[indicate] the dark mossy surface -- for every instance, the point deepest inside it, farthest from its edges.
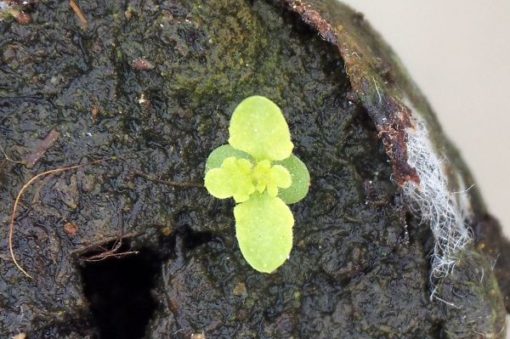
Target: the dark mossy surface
(359, 265)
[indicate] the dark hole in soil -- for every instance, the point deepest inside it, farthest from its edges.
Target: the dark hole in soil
(119, 293)
(195, 239)
(184, 239)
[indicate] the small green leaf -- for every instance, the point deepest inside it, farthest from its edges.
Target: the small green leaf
(258, 128)
(270, 177)
(262, 175)
(300, 180)
(220, 153)
(281, 176)
(232, 179)
(264, 231)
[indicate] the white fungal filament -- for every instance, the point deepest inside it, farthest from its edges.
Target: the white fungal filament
(431, 200)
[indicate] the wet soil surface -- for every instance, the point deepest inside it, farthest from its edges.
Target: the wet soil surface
(117, 250)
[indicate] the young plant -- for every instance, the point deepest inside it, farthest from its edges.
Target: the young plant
(257, 169)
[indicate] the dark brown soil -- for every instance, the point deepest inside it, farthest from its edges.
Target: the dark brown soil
(149, 87)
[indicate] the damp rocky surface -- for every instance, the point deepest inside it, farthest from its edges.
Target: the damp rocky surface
(129, 245)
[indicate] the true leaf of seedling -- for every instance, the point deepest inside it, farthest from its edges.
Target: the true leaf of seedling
(220, 153)
(232, 179)
(270, 178)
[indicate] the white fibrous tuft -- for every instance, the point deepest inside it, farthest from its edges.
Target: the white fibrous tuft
(432, 201)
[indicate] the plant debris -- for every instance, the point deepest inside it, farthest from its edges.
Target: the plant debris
(79, 14)
(41, 148)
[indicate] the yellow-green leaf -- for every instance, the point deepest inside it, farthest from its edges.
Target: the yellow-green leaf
(264, 231)
(232, 179)
(258, 128)
(281, 176)
(270, 177)
(219, 154)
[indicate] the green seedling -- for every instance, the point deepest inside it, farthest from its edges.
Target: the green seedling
(257, 169)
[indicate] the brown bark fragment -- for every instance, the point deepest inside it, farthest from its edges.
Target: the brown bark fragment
(41, 149)
(141, 64)
(390, 116)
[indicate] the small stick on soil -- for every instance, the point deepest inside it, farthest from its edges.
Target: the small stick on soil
(8, 158)
(184, 184)
(110, 253)
(79, 13)
(17, 201)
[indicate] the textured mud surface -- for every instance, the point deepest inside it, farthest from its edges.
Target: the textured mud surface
(153, 84)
